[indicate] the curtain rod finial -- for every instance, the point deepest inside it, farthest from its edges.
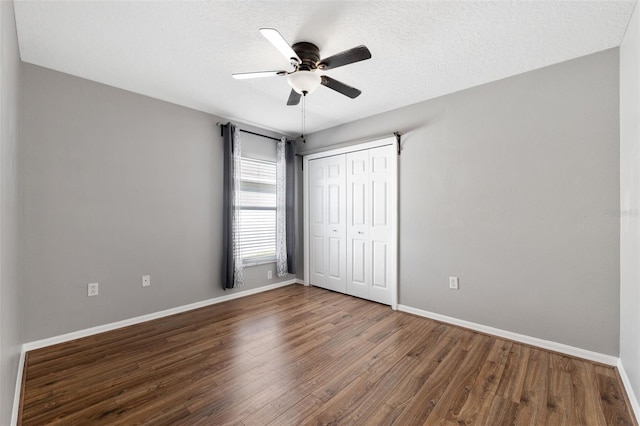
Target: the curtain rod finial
(398, 136)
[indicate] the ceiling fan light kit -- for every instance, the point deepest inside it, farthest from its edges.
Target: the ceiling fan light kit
(304, 82)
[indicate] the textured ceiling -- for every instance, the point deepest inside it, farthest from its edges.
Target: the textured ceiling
(185, 51)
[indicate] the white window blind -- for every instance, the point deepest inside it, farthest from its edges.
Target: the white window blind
(257, 211)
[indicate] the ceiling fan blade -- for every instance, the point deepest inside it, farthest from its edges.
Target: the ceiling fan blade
(350, 56)
(340, 87)
(294, 98)
(258, 74)
(280, 43)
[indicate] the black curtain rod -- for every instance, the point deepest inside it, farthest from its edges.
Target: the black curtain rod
(223, 126)
(258, 134)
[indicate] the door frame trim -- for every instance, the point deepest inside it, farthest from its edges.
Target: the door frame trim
(389, 140)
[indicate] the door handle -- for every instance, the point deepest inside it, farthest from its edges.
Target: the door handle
(360, 232)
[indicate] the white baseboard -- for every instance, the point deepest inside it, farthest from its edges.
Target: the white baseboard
(144, 318)
(16, 396)
(534, 341)
(633, 399)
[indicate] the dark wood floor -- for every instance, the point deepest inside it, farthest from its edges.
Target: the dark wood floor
(300, 355)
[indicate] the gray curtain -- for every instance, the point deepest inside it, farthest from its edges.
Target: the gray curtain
(291, 206)
(281, 208)
(232, 272)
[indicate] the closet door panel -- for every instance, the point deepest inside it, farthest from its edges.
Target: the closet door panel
(358, 244)
(379, 204)
(358, 265)
(380, 261)
(335, 226)
(335, 204)
(317, 225)
(358, 204)
(335, 258)
(380, 230)
(317, 260)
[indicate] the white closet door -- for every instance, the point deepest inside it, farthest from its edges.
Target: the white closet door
(317, 222)
(327, 222)
(351, 220)
(358, 222)
(383, 212)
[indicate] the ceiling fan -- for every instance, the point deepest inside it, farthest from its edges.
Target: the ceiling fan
(307, 65)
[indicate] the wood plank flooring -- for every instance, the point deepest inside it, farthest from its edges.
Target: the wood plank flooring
(303, 355)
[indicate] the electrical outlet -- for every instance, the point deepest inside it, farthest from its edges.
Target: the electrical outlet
(92, 289)
(269, 274)
(146, 280)
(453, 283)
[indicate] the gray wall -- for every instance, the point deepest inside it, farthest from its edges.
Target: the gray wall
(10, 292)
(512, 187)
(116, 185)
(630, 202)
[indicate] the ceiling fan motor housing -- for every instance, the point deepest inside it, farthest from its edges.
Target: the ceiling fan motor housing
(309, 54)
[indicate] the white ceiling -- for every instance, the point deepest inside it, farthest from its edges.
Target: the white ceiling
(185, 51)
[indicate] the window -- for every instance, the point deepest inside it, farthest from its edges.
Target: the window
(257, 211)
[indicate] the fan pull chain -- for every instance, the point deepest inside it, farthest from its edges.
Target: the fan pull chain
(304, 117)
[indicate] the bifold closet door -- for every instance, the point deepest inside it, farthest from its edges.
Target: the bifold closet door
(383, 214)
(358, 222)
(371, 202)
(327, 215)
